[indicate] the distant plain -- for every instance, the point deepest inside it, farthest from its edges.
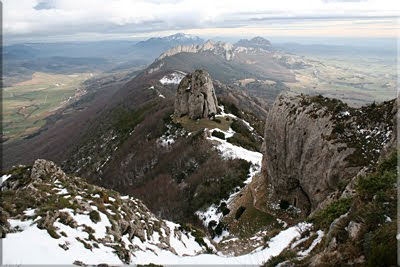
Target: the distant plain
(26, 104)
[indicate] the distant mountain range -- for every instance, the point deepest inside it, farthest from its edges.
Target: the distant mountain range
(152, 47)
(21, 60)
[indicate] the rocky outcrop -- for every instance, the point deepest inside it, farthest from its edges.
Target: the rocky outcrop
(195, 96)
(314, 146)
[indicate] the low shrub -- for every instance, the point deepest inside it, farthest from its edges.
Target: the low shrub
(325, 217)
(218, 230)
(390, 164)
(94, 216)
(212, 224)
(239, 127)
(232, 108)
(382, 249)
(284, 204)
(223, 208)
(218, 134)
(239, 212)
(241, 140)
(370, 185)
(243, 136)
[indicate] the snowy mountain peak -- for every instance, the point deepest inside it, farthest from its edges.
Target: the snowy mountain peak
(182, 36)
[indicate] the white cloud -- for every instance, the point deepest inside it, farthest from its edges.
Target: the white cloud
(56, 17)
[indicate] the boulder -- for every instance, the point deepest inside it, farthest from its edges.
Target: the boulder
(45, 170)
(354, 230)
(195, 96)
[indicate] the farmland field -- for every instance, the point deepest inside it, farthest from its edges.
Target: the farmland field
(27, 104)
(357, 81)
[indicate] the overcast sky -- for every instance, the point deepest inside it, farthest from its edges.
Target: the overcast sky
(38, 20)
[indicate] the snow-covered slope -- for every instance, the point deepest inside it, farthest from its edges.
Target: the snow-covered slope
(53, 218)
(229, 151)
(173, 78)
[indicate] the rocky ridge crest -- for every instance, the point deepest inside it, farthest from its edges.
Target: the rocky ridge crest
(53, 201)
(224, 49)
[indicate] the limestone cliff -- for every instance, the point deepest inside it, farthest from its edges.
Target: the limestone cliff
(226, 50)
(314, 146)
(217, 48)
(195, 96)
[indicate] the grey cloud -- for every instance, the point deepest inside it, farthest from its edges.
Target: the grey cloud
(45, 4)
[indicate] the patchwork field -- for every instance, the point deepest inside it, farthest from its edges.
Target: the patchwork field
(27, 104)
(357, 81)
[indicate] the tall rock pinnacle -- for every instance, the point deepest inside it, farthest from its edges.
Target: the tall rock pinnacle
(195, 96)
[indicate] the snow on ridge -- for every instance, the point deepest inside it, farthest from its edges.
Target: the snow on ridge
(313, 244)
(36, 246)
(223, 114)
(44, 249)
(173, 78)
(229, 151)
(3, 178)
(259, 256)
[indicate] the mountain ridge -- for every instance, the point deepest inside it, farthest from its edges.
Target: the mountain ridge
(225, 49)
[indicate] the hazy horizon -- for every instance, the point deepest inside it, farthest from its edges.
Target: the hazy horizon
(387, 43)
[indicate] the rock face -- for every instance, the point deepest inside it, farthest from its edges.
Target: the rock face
(314, 145)
(195, 96)
(226, 50)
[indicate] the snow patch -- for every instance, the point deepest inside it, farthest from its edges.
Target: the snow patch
(275, 246)
(36, 246)
(314, 243)
(229, 151)
(3, 178)
(173, 78)
(62, 191)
